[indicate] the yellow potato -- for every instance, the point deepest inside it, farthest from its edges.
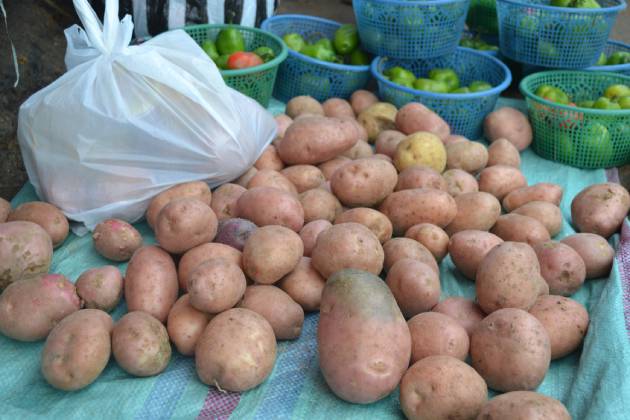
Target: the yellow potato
(378, 117)
(421, 148)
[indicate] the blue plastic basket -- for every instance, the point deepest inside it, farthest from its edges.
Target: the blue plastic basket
(611, 47)
(490, 39)
(410, 29)
(532, 32)
(463, 112)
(303, 75)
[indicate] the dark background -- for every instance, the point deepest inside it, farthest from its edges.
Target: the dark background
(36, 27)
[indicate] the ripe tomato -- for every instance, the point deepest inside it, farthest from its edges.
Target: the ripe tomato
(243, 60)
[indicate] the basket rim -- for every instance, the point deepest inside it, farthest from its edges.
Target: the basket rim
(613, 67)
(305, 58)
(496, 90)
(569, 10)
(242, 72)
(413, 3)
(524, 89)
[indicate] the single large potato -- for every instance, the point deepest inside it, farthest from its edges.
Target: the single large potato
(600, 209)
(432, 237)
(268, 206)
(100, 288)
(595, 251)
(304, 177)
(77, 349)
(364, 182)
(283, 314)
(319, 204)
(415, 117)
(511, 350)
(374, 220)
(469, 156)
(360, 100)
(234, 232)
(140, 344)
(421, 148)
(185, 223)
(185, 325)
(305, 285)
(387, 142)
(518, 228)
(5, 209)
(303, 105)
(442, 387)
(310, 232)
(312, 140)
(500, 180)
(376, 118)
(272, 179)
(151, 282)
(347, 245)
(510, 124)
(565, 320)
(551, 193)
(422, 205)
(337, 107)
(363, 341)
(469, 247)
(225, 199)
(475, 211)
(236, 351)
(116, 239)
(502, 152)
(523, 405)
(46, 215)
(459, 182)
(415, 285)
(25, 252)
(196, 189)
(398, 248)
(30, 308)
(561, 266)
(508, 277)
(270, 253)
(269, 160)
(420, 177)
(436, 334)
(545, 212)
(193, 258)
(462, 310)
(216, 285)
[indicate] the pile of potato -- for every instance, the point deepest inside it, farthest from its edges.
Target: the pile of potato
(347, 192)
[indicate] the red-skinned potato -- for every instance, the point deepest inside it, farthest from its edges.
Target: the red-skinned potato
(347, 245)
(364, 182)
(360, 100)
(270, 253)
(269, 160)
(500, 180)
(185, 325)
(225, 199)
(546, 213)
(517, 228)
(191, 259)
(283, 314)
(100, 288)
(543, 191)
(459, 182)
(196, 189)
(319, 204)
(475, 211)
(420, 177)
(453, 138)
(469, 247)
(415, 285)
(524, 405)
(510, 124)
(5, 209)
(338, 108)
(398, 248)
(243, 180)
(469, 156)
(49, 217)
(272, 179)
(502, 152)
(360, 150)
(600, 209)
(595, 251)
(151, 282)
(442, 387)
(234, 232)
(310, 232)
(185, 223)
(236, 352)
(387, 142)
(269, 206)
(415, 117)
(432, 237)
(561, 266)
(374, 220)
(283, 121)
(329, 167)
(216, 285)
(511, 350)
(116, 239)
(463, 310)
(304, 177)
(436, 334)
(363, 341)
(303, 105)
(305, 285)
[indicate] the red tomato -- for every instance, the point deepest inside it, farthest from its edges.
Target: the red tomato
(243, 60)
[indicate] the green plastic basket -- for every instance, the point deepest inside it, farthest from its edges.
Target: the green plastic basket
(255, 82)
(580, 137)
(482, 17)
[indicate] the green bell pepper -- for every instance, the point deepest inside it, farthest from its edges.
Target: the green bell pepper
(294, 41)
(229, 41)
(346, 39)
(446, 75)
(265, 53)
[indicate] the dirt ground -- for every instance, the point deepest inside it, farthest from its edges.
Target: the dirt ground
(36, 28)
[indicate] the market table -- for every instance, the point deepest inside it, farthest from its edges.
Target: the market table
(593, 383)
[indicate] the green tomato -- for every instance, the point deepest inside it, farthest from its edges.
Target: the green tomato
(596, 141)
(460, 90)
(229, 41)
(587, 4)
(605, 103)
(325, 43)
(346, 39)
(564, 148)
(601, 61)
(221, 62)
(403, 82)
(211, 49)
(430, 85)
(359, 58)
(585, 104)
(613, 92)
(479, 86)
(294, 41)
(319, 52)
(618, 57)
(265, 53)
(446, 75)
(400, 74)
(624, 102)
(553, 94)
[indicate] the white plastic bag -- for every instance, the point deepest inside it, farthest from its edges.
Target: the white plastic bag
(127, 122)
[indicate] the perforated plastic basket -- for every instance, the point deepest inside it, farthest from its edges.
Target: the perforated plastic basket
(410, 29)
(303, 75)
(533, 32)
(482, 17)
(580, 137)
(255, 82)
(611, 47)
(463, 112)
